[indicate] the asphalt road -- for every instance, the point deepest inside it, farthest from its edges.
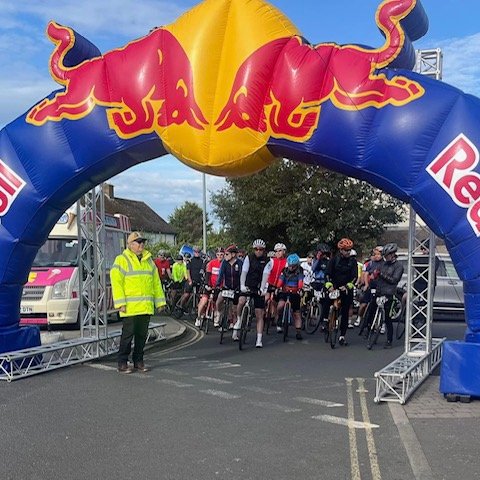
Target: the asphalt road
(208, 411)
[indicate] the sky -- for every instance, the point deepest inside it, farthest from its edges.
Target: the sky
(25, 52)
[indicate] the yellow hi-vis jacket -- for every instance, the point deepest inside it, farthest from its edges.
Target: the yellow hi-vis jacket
(136, 284)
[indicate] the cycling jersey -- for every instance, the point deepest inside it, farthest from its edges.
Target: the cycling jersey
(179, 272)
(195, 267)
(230, 274)
(308, 276)
(213, 269)
(319, 269)
(291, 280)
(342, 270)
(162, 267)
(252, 271)
(274, 269)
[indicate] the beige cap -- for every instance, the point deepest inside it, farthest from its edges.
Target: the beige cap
(135, 236)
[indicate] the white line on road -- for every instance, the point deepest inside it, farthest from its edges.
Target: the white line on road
(316, 401)
(171, 371)
(352, 436)
(372, 450)
(266, 391)
(213, 380)
(99, 366)
(219, 393)
(171, 359)
(275, 406)
(225, 365)
(351, 424)
(175, 383)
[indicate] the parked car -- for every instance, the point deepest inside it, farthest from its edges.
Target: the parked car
(448, 302)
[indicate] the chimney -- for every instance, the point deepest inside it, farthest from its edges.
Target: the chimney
(108, 190)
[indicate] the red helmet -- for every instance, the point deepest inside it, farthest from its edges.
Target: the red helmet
(345, 244)
(231, 249)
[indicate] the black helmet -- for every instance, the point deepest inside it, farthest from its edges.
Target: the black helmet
(389, 248)
(323, 247)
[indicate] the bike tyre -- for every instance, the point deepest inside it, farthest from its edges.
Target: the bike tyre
(224, 322)
(333, 329)
(312, 324)
(287, 312)
(243, 328)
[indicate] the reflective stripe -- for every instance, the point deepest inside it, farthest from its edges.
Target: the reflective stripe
(139, 299)
(121, 301)
(138, 272)
(160, 300)
(118, 267)
(129, 263)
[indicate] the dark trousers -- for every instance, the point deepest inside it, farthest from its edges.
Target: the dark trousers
(346, 297)
(134, 328)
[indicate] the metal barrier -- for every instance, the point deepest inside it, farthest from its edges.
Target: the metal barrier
(32, 361)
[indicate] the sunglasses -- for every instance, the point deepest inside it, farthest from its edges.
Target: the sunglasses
(259, 249)
(140, 241)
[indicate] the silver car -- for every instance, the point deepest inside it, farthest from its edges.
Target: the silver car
(448, 303)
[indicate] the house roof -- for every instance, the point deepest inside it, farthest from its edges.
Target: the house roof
(142, 217)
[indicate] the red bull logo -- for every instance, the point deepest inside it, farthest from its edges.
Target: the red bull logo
(305, 76)
(453, 169)
(161, 96)
(11, 185)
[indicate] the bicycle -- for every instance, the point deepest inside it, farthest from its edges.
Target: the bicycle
(377, 323)
(269, 315)
(191, 305)
(286, 317)
(208, 314)
(331, 333)
(314, 312)
(247, 315)
(228, 296)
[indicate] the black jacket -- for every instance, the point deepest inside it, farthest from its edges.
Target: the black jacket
(390, 275)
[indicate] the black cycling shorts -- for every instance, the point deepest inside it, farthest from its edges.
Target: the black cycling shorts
(294, 300)
(258, 300)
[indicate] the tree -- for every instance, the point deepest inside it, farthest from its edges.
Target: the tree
(187, 220)
(301, 205)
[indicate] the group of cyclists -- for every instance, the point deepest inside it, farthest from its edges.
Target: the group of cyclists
(273, 278)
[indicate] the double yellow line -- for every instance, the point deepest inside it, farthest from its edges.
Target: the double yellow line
(352, 434)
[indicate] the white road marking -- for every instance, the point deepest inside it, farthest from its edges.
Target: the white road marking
(345, 421)
(372, 450)
(352, 436)
(225, 365)
(99, 366)
(171, 371)
(266, 391)
(219, 393)
(213, 380)
(172, 359)
(315, 401)
(175, 383)
(275, 406)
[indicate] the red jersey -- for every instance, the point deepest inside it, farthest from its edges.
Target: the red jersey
(278, 265)
(213, 267)
(162, 266)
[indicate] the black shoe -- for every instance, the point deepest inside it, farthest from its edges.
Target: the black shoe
(388, 345)
(298, 336)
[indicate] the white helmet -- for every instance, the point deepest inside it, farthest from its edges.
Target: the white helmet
(258, 243)
(279, 246)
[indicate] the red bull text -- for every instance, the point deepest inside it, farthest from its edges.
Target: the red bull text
(11, 185)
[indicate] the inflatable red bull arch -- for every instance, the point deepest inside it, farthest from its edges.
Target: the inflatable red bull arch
(227, 103)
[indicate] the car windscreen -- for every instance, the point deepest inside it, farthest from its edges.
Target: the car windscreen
(57, 252)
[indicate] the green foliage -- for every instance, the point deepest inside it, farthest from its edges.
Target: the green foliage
(301, 205)
(187, 220)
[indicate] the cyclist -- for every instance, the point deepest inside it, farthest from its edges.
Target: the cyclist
(179, 277)
(319, 269)
(388, 275)
(342, 274)
(291, 284)
(251, 282)
(367, 282)
(308, 277)
(163, 267)
(229, 275)
(211, 275)
(271, 275)
(195, 274)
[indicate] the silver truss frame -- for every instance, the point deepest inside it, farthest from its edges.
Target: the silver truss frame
(397, 381)
(92, 267)
(32, 361)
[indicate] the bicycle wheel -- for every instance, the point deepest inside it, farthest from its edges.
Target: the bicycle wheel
(396, 308)
(267, 318)
(364, 323)
(243, 326)
(224, 322)
(287, 313)
(333, 328)
(400, 330)
(326, 326)
(314, 317)
(374, 331)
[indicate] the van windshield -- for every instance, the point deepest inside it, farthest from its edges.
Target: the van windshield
(57, 252)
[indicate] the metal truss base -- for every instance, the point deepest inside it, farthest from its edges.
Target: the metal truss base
(32, 361)
(397, 381)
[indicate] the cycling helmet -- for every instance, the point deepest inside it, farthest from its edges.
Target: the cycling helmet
(389, 248)
(179, 257)
(162, 253)
(220, 250)
(323, 247)
(258, 243)
(271, 254)
(345, 244)
(279, 246)
(231, 249)
(293, 259)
